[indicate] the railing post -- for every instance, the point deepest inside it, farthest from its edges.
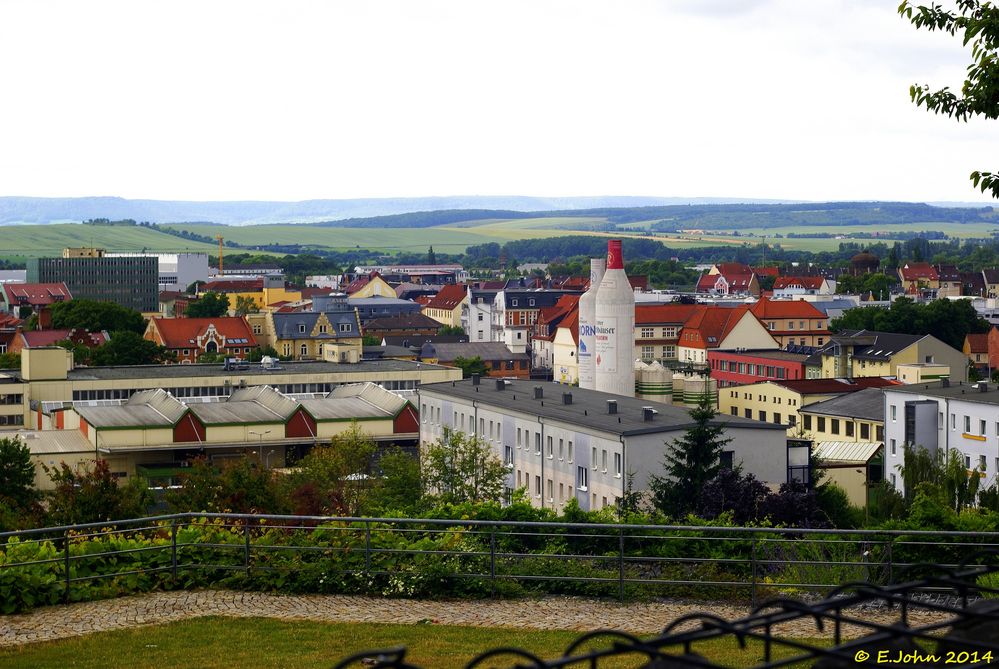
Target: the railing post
(246, 545)
(752, 564)
(492, 561)
(891, 572)
(173, 549)
(620, 565)
(65, 554)
(367, 548)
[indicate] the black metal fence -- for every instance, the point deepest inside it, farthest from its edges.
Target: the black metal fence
(425, 557)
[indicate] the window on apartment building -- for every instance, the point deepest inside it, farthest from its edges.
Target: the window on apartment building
(561, 449)
(763, 415)
(530, 302)
(603, 461)
(734, 411)
(648, 333)
(551, 490)
(304, 350)
(742, 368)
(777, 418)
(893, 480)
(537, 486)
(508, 455)
(257, 329)
(513, 302)
(345, 327)
(551, 448)
(865, 431)
(821, 423)
(482, 427)
(648, 352)
(780, 372)
(792, 420)
(983, 463)
(820, 340)
(423, 412)
(480, 317)
(570, 450)
(834, 425)
(790, 325)
(617, 465)
(751, 369)
(670, 333)
(537, 443)
(322, 329)
(893, 410)
(669, 351)
(748, 413)
(849, 428)
(519, 435)
(490, 429)
(893, 447)
(967, 462)
(581, 478)
(981, 427)
(967, 424)
(801, 325)
(772, 325)
(953, 422)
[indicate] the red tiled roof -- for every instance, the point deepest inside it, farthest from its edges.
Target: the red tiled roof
(233, 286)
(360, 282)
(914, 271)
(311, 291)
(834, 386)
(9, 321)
(571, 321)
(36, 294)
(767, 308)
(978, 343)
(554, 315)
(650, 314)
(733, 268)
(450, 297)
(422, 300)
(183, 332)
(807, 282)
(766, 271)
(709, 325)
(38, 338)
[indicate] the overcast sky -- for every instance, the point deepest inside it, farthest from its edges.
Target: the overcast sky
(298, 100)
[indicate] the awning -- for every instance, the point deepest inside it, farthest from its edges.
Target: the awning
(852, 452)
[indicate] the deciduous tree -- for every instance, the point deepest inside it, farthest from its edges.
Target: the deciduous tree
(462, 468)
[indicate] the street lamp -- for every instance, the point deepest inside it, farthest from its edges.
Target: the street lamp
(267, 459)
(261, 447)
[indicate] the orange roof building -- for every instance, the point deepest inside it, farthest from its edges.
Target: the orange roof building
(189, 338)
(793, 322)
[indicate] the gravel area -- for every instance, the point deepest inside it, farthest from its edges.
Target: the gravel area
(562, 613)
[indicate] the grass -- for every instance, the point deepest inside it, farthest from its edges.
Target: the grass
(33, 241)
(252, 643)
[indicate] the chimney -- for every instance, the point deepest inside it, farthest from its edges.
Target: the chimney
(611, 406)
(475, 379)
(500, 384)
(566, 398)
(648, 413)
(945, 383)
(539, 392)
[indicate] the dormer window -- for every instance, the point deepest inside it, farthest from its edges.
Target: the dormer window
(513, 303)
(345, 327)
(301, 329)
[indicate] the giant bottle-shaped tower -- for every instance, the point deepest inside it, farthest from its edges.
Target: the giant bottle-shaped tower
(587, 325)
(614, 344)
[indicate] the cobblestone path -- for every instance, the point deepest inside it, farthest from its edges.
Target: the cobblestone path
(565, 613)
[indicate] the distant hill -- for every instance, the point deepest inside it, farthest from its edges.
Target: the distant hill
(36, 210)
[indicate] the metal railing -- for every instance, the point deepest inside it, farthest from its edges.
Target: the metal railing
(418, 557)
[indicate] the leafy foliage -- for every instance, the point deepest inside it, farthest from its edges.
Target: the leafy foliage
(89, 494)
(10, 360)
(978, 24)
(208, 305)
(245, 305)
(948, 320)
(96, 316)
(129, 348)
(461, 468)
(689, 463)
(470, 366)
(238, 485)
(333, 480)
(258, 353)
(18, 496)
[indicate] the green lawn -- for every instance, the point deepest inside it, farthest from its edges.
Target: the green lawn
(257, 643)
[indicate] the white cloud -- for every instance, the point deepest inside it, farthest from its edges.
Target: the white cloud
(268, 100)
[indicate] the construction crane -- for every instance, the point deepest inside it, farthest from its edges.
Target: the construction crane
(219, 237)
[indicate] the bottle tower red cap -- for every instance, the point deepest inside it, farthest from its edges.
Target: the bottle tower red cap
(615, 260)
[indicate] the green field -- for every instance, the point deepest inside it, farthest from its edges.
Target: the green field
(34, 241)
(256, 643)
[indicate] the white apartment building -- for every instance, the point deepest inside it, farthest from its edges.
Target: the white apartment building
(947, 416)
(563, 444)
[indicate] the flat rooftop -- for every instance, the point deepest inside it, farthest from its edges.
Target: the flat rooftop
(588, 407)
(252, 369)
(966, 392)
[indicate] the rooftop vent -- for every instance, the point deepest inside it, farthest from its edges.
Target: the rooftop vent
(611, 406)
(566, 398)
(945, 383)
(983, 387)
(475, 379)
(500, 384)
(539, 392)
(648, 413)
